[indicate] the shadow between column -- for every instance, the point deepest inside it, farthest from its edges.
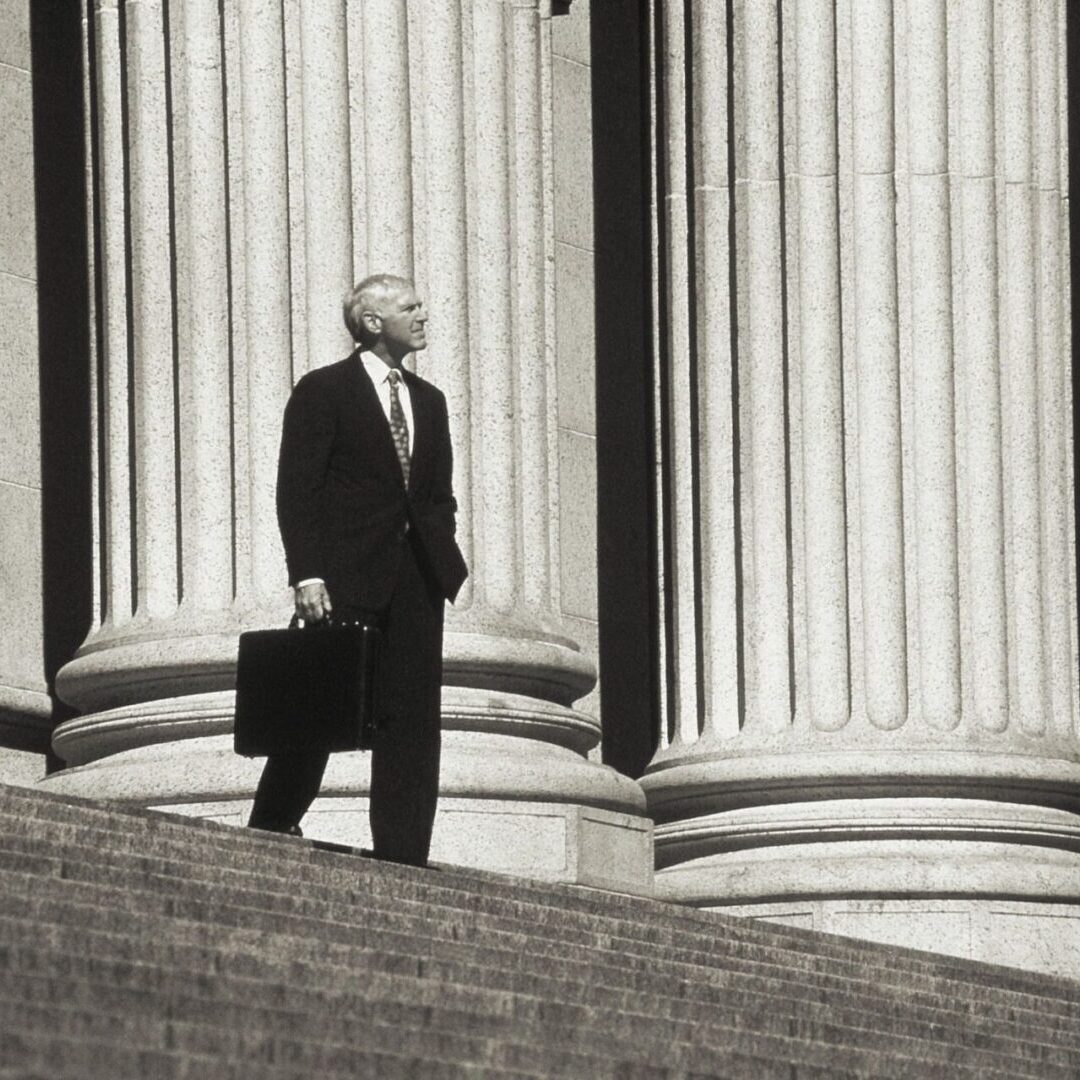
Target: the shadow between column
(63, 335)
(626, 551)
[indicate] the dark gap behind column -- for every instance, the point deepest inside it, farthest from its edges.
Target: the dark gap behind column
(624, 412)
(63, 336)
(664, 487)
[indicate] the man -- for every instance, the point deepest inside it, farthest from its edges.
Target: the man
(366, 510)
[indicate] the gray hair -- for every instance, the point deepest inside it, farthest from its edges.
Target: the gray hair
(364, 297)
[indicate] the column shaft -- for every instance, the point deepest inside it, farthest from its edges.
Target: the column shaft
(354, 44)
(266, 280)
(494, 472)
(388, 140)
(984, 544)
(877, 358)
(203, 300)
(529, 301)
(677, 401)
(152, 311)
(117, 467)
(1052, 351)
(769, 695)
(1021, 411)
(327, 189)
(716, 431)
(932, 360)
(821, 355)
(445, 237)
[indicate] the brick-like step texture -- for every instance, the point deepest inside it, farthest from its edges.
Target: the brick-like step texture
(148, 946)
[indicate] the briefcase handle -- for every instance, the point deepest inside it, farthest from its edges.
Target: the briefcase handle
(328, 622)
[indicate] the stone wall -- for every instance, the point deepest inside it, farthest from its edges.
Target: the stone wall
(25, 708)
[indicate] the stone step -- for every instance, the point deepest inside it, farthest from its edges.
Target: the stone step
(772, 1006)
(243, 1030)
(446, 1005)
(194, 949)
(397, 928)
(115, 901)
(188, 948)
(252, 848)
(201, 947)
(539, 920)
(325, 1042)
(51, 1055)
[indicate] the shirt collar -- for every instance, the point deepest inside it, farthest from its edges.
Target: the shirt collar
(376, 369)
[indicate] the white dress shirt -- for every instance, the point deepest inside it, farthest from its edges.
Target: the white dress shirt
(377, 372)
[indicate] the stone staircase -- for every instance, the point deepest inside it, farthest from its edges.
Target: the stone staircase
(148, 946)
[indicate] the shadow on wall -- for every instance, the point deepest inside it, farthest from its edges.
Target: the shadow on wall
(63, 334)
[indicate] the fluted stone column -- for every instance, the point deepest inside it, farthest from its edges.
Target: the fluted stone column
(271, 155)
(870, 711)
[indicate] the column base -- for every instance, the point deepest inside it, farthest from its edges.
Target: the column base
(574, 845)
(509, 804)
(578, 845)
(1022, 934)
(949, 875)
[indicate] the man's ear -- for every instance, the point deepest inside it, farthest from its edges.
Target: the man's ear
(372, 321)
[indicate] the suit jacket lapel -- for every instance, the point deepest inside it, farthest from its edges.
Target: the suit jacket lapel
(371, 413)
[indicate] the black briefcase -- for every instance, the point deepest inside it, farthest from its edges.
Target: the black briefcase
(306, 688)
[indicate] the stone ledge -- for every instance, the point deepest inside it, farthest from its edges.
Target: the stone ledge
(556, 842)
(25, 719)
(1032, 936)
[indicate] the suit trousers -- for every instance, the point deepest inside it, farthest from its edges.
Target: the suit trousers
(405, 749)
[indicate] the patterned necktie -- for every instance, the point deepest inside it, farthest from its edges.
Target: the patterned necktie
(399, 428)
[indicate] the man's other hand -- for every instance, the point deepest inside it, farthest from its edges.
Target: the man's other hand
(312, 602)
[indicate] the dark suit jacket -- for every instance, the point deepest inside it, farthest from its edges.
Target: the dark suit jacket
(341, 500)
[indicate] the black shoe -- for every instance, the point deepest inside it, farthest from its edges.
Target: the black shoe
(331, 845)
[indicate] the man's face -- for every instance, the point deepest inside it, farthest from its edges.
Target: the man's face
(403, 321)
